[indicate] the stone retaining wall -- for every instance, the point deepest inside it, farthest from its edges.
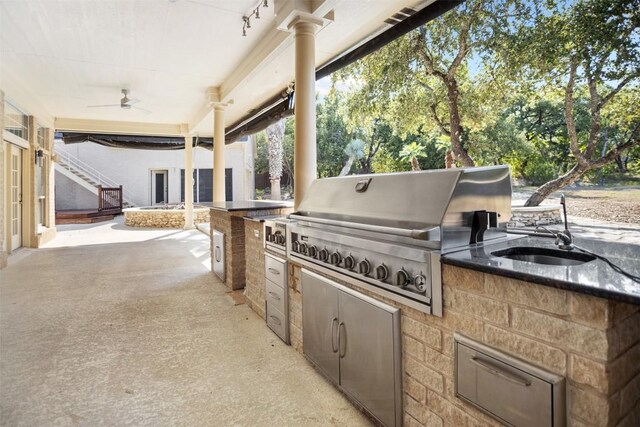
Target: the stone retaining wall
(533, 216)
(162, 218)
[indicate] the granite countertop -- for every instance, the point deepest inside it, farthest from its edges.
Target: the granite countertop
(248, 205)
(594, 277)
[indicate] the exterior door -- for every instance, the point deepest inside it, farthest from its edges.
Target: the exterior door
(320, 323)
(159, 187)
(16, 197)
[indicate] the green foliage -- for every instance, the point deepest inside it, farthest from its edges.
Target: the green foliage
(537, 170)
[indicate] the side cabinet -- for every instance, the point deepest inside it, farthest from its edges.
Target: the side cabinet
(277, 296)
(355, 341)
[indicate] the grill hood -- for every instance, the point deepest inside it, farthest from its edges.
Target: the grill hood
(428, 205)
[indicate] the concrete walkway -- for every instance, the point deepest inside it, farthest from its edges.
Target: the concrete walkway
(111, 325)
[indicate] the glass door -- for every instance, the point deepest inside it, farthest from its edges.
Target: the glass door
(16, 197)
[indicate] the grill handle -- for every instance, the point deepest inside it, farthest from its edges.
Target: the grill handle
(430, 234)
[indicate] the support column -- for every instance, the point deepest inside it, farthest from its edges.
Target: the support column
(188, 181)
(305, 170)
(218, 154)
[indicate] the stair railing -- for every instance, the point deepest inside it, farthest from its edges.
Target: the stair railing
(71, 163)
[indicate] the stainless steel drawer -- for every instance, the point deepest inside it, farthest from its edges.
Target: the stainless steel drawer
(278, 323)
(511, 390)
(275, 270)
(275, 296)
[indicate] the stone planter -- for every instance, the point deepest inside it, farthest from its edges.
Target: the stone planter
(534, 216)
(162, 217)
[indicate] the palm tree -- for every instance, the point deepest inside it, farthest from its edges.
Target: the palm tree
(275, 138)
(411, 152)
(355, 151)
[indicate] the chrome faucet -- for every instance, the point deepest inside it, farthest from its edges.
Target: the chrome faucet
(564, 239)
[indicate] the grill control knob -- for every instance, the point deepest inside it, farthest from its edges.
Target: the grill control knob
(323, 255)
(364, 267)
(313, 251)
(303, 248)
(382, 272)
(295, 246)
(402, 278)
(420, 282)
(279, 238)
(349, 262)
(336, 258)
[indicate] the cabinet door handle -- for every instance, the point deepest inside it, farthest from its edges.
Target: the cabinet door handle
(273, 270)
(274, 295)
(495, 370)
(342, 341)
(334, 322)
(275, 319)
(217, 253)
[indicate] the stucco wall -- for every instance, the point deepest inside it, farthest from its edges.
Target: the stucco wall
(132, 168)
(3, 249)
(70, 195)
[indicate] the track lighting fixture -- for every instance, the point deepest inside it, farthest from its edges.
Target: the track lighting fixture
(246, 19)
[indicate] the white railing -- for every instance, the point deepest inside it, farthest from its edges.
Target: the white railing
(72, 163)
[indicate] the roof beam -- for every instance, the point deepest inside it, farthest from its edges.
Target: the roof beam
(107, 126)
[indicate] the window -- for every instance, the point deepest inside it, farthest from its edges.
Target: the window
(203, 185)
(16, 121)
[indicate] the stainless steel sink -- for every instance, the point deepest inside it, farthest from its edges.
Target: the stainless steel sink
(544, 256)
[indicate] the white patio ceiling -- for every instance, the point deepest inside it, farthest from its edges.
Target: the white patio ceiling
(62, 55)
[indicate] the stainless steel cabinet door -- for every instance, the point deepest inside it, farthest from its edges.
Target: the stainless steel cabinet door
(366, 351)
(320, 323)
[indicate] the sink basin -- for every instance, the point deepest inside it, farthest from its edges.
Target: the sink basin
(544, 256)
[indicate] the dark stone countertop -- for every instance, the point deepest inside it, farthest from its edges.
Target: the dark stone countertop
(593, 278)
(248, 205)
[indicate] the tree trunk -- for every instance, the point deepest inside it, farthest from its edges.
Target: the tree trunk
(275, 189)
(622, 167)
(347, 166)
(449, 162)
(544, 190)
(415, 166)
(459, 152)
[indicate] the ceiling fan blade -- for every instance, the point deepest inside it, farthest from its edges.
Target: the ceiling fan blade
(144, 110)
(104, 105)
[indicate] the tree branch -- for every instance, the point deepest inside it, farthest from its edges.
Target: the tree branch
(421, 48)
(462, 50)
(568, 113)
(618, 88)
(633, 141)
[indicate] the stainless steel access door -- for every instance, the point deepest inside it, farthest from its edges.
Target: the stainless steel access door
(367, 368)
(320, 323)
(218, 253)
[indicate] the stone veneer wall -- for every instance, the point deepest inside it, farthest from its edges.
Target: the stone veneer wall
(231, 223)
(254, 290)
(592, 341)
(162, 218)
(536, 215)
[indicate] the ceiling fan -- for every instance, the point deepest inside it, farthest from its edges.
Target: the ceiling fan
(126, 103)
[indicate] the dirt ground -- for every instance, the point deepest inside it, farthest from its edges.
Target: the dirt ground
(609, 204)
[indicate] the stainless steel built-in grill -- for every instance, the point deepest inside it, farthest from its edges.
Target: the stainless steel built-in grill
(388, 231)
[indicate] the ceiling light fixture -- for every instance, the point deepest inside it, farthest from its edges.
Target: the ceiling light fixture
(246, 19)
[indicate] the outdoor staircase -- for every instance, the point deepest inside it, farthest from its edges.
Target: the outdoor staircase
(87, 176)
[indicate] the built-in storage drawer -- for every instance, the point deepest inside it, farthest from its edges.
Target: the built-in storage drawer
(275, 296)
(275, 270)
(277, 321)
(507, 388)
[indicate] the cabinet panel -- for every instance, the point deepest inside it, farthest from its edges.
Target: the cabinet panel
(275, 296)
(366, 351)
(276, 320)
(320, 323)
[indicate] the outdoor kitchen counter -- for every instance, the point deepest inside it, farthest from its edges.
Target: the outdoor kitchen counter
(593, 278)
(249, 205)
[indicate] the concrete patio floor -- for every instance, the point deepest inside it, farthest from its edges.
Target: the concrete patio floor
(110, 325)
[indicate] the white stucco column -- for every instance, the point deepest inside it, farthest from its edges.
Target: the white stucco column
(188, 181)
(305, 170)
(218, 154)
